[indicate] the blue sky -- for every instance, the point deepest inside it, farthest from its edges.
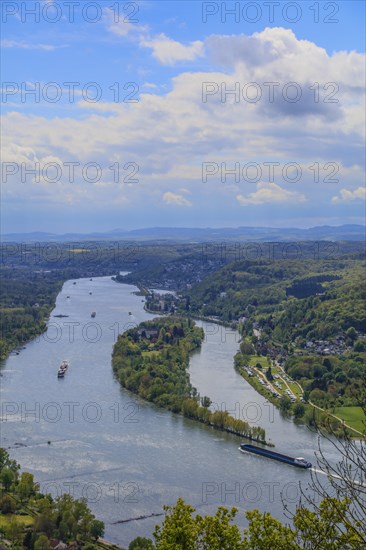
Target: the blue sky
(181, 114)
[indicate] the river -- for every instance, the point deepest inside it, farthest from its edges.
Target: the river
(86, 435)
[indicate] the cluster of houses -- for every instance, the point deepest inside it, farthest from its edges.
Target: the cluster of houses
(162, 302)
(325, 347)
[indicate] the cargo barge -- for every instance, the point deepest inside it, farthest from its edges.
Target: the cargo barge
(299, 462)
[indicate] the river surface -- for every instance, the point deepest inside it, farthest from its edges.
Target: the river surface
(86, 435)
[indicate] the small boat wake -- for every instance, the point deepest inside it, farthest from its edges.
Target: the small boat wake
(317, 471)
(335, 476)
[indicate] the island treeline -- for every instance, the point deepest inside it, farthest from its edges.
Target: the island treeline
(152, 361)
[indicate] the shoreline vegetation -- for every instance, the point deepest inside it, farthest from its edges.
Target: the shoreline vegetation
(25, 308)
(152, 361)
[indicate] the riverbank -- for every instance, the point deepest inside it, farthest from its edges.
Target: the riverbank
(288, 396)
(25, 307)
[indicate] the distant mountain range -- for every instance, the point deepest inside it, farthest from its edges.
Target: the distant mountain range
(188, 235)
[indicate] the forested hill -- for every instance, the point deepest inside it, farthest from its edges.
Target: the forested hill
(25, 304)
(287, 298)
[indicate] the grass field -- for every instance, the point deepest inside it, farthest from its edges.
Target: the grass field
(353, 416)
(24, 520)
(254, 359)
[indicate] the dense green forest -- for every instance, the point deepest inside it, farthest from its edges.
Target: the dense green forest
(330, 381)
(334, 292)
(25, 304)
(152, 361)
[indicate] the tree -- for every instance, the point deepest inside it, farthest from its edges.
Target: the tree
(141, 543)
(217, 533)
(7, 462)
(299, 410)
(7, 504)
(246, 348)
(14, 530)
(285, 404)
(359, 346)
(7, 478)
(178, 530)
(205, 401)
(42, 543)
(96, 529)
(351, 334)
(26, 486)
(265, 532)
(44, 523)
(269, 374)
(327, 527)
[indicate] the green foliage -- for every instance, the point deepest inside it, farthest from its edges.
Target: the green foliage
(330, 529)
(246, 348)
(152, 360)
(333, 381)
(7, 462)
(96, 529)
(7, 504)
(24, 307)
(265, 532)
(42, 543)
(7, 478)
(179, 529)
(26, 486)
(285, 404)
(141, 543)
(298, 410)
(205, 401)
(269, 374)
(14, 530)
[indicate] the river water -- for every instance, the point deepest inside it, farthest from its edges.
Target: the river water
(86, 435)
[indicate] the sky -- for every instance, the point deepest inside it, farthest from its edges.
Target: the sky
(130, 114)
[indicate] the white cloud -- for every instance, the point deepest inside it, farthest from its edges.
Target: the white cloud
(177, 200)
(169, 52)
(346, 195)
(270, 193)
(171, 134)
(28, 45)
(122, 27)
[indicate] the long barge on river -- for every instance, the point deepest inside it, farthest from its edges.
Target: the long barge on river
(299, 462)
